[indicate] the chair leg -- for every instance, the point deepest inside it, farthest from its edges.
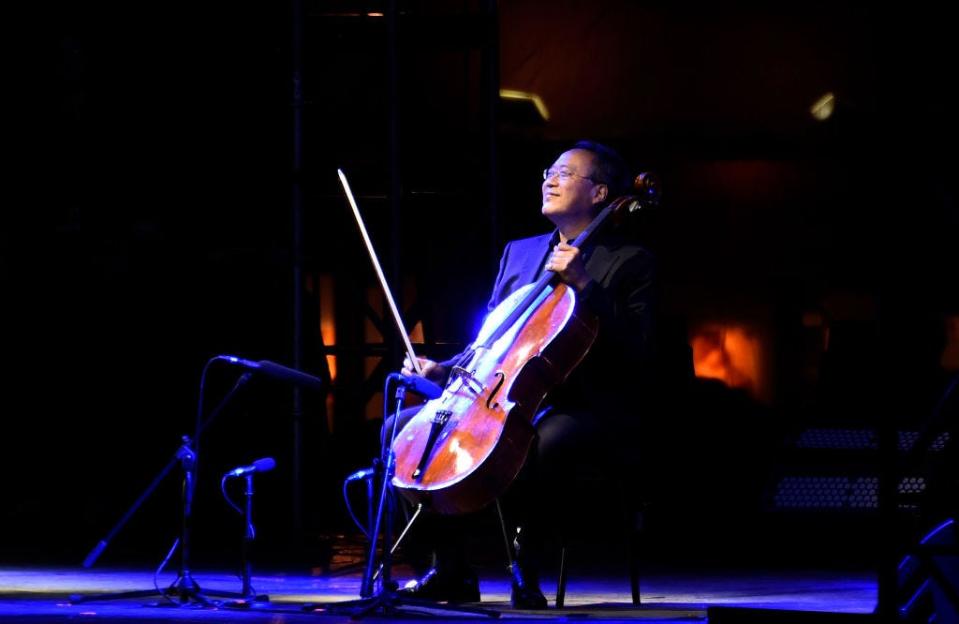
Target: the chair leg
(561, 584)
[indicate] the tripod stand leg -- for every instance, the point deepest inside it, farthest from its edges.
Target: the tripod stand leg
(139, 593)
(368, 576)
(399, 539)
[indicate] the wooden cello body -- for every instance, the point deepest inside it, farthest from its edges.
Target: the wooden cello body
(475, 437)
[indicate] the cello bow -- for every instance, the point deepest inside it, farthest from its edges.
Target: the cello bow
(379, 274)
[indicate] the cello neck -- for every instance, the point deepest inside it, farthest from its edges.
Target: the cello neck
(547, 280)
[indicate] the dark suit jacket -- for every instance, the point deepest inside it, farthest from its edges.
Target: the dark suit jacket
(609, 380)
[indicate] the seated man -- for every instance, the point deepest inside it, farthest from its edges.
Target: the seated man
(582, 421)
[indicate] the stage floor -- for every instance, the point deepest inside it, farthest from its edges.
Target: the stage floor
(42, 594)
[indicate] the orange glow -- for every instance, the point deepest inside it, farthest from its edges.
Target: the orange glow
(327, 323)
(409, 294)
(731, 354)
(327, 320)
(324, 285)
(417, 334)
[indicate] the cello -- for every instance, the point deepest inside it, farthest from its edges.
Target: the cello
(462, 449)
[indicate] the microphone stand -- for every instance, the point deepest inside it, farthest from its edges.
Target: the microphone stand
(248, 536)
(249, 598)
(389, 600)
(184, 587)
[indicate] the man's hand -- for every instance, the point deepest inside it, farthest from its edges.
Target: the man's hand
(431, 370)
(567, 262)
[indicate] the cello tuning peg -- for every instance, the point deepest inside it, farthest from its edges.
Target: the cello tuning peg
(648, 187)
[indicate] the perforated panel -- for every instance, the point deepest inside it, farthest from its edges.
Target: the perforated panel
(836, 492)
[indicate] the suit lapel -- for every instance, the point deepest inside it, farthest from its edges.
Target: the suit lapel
(533, 255)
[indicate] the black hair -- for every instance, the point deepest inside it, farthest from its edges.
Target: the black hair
(611, 169)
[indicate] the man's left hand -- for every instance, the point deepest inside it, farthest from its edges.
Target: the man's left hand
(567, 262)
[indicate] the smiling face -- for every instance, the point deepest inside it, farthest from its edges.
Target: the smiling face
(571, 197)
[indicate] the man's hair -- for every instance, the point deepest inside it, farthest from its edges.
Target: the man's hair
(611, 169)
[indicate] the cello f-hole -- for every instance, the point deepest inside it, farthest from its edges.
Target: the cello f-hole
(499, 384)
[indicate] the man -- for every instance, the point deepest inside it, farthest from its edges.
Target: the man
(583, 420)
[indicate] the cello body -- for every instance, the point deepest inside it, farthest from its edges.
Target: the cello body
(461, 450)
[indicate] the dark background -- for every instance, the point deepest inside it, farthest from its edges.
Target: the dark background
(148, 227)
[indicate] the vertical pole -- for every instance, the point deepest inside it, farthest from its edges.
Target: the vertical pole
(248, 535)
(396, 185)
(297, 277)
(185, 585)
(889, 535)
(490, 83)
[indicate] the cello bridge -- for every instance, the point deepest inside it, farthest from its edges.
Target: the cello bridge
(473, 384)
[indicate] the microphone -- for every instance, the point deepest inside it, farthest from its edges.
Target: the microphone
(419, 385)
(276, 371)
(365, 473)
(260, 465)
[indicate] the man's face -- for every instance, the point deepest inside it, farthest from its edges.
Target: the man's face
(572, 197)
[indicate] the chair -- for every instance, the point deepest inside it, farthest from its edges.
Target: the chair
(673, 372)
(630, 513)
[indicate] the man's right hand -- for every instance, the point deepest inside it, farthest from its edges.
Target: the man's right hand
(431, 370)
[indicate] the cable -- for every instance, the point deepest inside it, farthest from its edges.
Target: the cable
(163, 563)
(227, 496)
(387, 412)
(349, 509)
(236, 507)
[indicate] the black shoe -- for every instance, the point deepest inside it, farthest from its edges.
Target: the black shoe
(445, 586)
(524, 590)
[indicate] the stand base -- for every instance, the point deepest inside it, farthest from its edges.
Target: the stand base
(183, 592)
(393, 603)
